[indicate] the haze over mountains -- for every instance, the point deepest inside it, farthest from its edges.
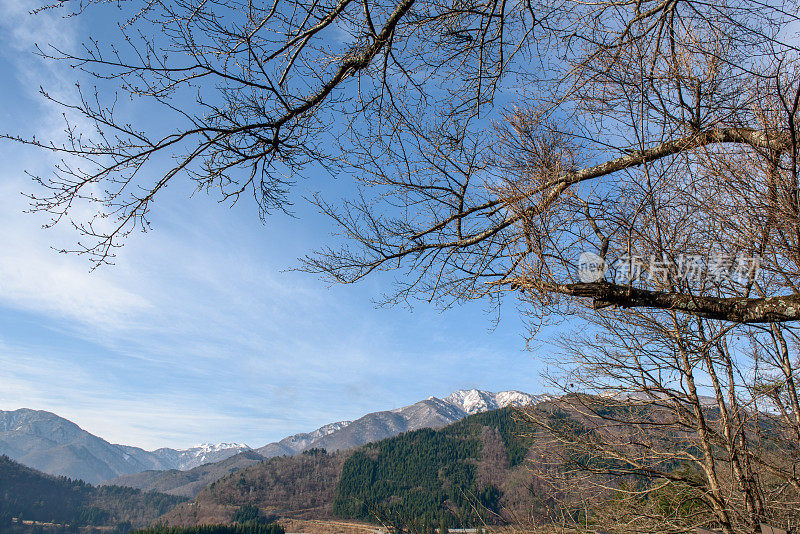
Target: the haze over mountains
(57, 446)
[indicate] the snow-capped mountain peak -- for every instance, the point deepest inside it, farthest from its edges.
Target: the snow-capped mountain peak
(216, 447)
(517, 399)
(473, 401)
(206, 453)
(44, 436)
(331, 427)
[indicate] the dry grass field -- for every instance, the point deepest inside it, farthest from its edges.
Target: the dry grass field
(334, 526)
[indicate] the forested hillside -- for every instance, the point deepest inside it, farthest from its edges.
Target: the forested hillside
(291, 486)
(32, 495)
(466, 473)
(187, 483)
(249, 528)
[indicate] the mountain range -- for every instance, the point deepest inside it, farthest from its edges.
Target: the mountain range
(52, 444)
(49, 443)
(466, 473)
(429, 413)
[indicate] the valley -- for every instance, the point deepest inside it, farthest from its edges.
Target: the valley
(459, 450)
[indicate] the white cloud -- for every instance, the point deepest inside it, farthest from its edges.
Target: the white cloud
(35, 278)
(193, 335)
(32, 276)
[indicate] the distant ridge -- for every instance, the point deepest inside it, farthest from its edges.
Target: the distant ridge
(429, 413)
(299, 442)
(186, 483)
(57, 446)
(473, 401)
(470, 472)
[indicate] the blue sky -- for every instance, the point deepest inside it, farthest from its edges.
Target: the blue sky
(198, 333)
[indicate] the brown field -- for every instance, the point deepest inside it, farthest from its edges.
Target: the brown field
(334, 526)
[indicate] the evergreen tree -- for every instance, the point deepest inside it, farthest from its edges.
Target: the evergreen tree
(425, 473)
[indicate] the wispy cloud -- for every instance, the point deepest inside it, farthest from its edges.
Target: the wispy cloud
(195, 334)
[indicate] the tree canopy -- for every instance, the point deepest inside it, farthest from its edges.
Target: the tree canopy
(495, 140)
(631, 162)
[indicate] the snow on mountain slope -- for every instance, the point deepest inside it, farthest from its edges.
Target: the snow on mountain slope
(517, 399)
(206, 453)
(57, 446)
(429, 413)
(473, 401)
(299, 442)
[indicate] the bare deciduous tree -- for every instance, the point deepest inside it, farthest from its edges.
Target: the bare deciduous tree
(496, 142)
(690, 422)
(631, 116)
